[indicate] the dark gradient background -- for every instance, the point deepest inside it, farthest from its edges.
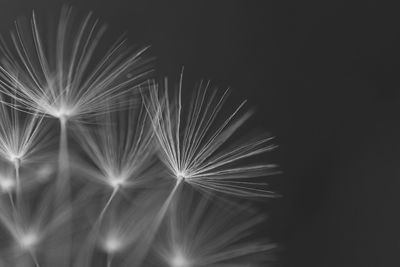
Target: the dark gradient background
(324, 80)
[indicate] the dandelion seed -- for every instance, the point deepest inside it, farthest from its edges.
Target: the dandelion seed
(120, 146)
(198, 150)
(66, 78)
(199, 233)
(196, 154)
(23, 138)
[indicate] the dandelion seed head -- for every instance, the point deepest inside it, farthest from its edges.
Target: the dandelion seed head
(13, 157)
(117, 180)
(63, 112)
(182, 175)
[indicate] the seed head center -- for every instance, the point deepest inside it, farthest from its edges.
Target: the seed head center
(182, 175)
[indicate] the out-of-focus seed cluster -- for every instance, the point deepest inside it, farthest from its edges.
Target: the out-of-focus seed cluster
(103, 165)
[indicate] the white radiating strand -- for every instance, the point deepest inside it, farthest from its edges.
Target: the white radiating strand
(195, 143)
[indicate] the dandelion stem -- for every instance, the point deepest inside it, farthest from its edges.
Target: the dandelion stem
(63, 160)
(16, 204)
(17, 183)
(96, 229)
(35, 260)
(63, 198)
(114, 192)
(109, 259)
(11, 201)
(167, 203)
(158, 221)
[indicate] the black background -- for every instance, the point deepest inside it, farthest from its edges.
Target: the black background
(323, 78)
